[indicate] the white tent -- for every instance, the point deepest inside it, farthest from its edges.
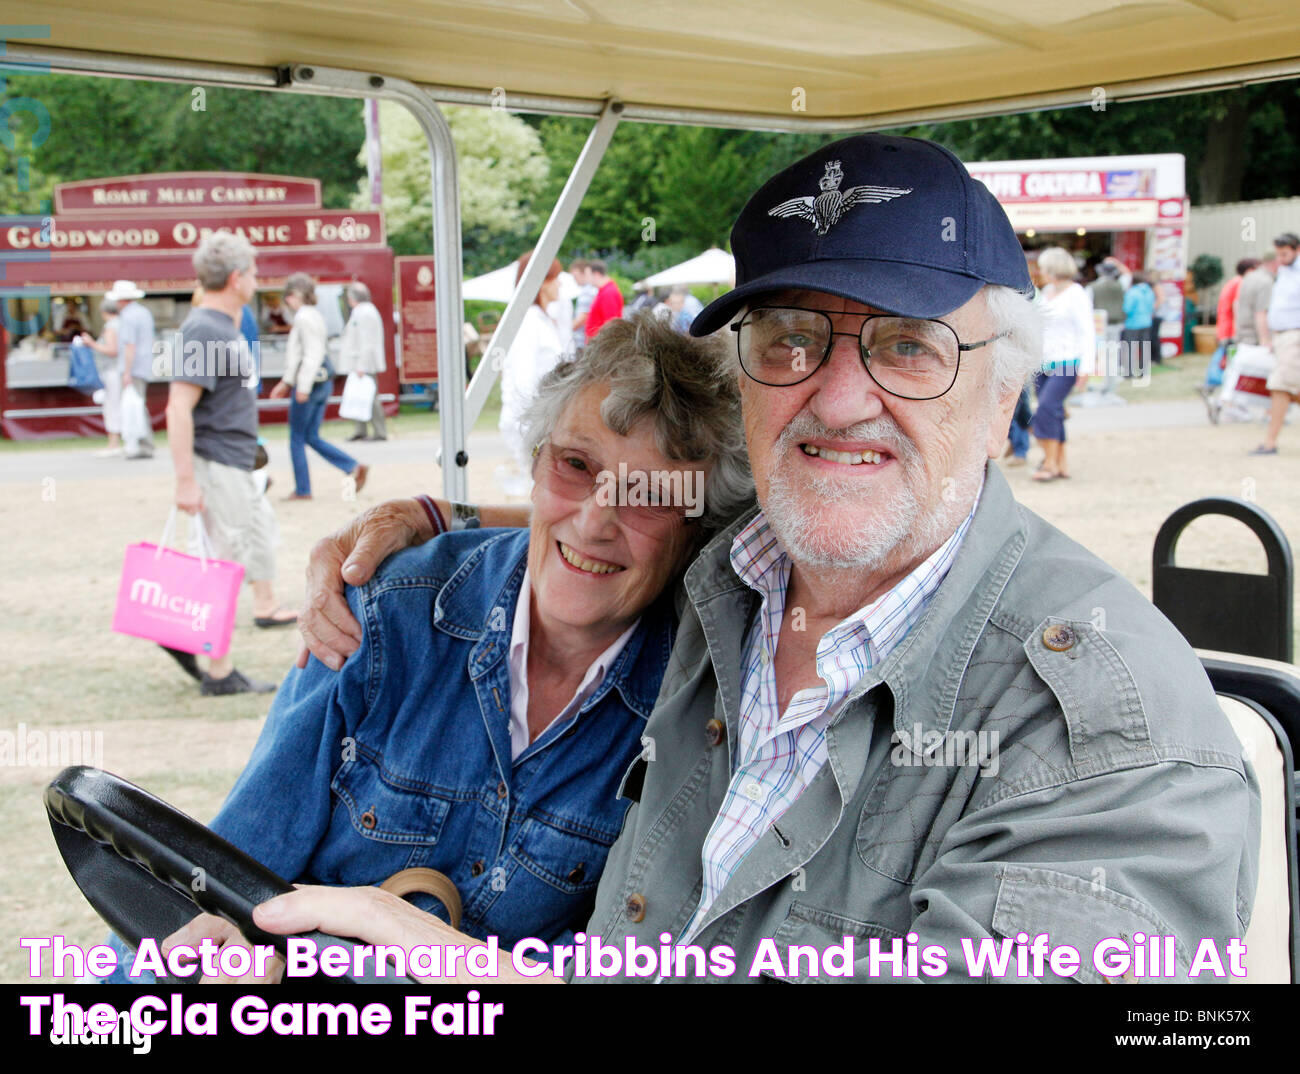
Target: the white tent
(712, 266)
(499, 284)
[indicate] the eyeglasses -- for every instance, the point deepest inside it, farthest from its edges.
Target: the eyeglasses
(647, 501)
(910, 357)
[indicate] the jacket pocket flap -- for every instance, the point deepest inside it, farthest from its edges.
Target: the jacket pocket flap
(385, 807)
(1081, 914)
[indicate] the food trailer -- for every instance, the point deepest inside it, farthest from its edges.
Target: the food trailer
(145, 228)
(1134, 208)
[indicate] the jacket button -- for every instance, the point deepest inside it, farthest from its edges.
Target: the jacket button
(634, 908)
(715, 731)
(578, 872)
(501, 789)
(368, 819)
(1058, 637)
(477, 868)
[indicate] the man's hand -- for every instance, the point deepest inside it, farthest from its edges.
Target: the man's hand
(329, 631)
(224, 935)
(189, 497)
(301, 397)
(374, 917)
(126, 380)
(280, 391)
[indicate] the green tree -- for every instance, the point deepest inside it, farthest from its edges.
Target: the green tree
(108, 126)
(500, 168)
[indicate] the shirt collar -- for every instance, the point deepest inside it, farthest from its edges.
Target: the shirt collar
(925, 670)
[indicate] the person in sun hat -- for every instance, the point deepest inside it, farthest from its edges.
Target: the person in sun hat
(135, 336)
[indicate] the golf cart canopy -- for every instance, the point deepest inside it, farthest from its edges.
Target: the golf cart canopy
(771, 61)
(820, 65)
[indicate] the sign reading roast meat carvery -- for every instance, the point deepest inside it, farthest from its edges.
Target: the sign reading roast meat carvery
(221, 191)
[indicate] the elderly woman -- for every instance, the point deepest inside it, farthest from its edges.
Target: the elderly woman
(309, 377)
(1069, 345)
(504, 676)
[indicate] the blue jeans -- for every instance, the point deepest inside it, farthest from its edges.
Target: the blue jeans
(1019, 437)
(304, 432)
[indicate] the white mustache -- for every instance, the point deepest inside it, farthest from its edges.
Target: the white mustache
(883, 430)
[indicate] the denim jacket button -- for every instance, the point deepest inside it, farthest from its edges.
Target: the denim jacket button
(368, 819)
(501, 789)
(634, 908)
(1058, 637)
(477, 868)
(577, 873)
(715, 731)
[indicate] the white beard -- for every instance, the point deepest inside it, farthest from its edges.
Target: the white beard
(899, 530)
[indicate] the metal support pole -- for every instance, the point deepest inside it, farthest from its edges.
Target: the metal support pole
(446, 250)
(566, 208)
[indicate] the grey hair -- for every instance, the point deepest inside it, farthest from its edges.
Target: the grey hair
(358, 291)
(109, 305)
(1020, 352)
(220, 254)
(299, 283)
(679, 383)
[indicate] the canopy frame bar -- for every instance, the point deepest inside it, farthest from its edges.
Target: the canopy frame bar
(548, 247)
(19, 53)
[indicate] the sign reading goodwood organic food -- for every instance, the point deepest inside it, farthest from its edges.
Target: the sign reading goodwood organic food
(95, 236)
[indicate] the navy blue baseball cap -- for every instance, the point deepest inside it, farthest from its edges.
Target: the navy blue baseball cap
(895, 223)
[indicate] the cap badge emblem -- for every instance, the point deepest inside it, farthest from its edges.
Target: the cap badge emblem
(827, 209)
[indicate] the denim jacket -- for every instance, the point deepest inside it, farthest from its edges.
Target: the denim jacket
(1098, 790)
(402, 758)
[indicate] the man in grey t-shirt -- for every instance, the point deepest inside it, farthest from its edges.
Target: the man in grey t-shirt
(1252, 300)
(212, 432)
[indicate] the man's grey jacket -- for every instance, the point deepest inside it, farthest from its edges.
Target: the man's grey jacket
(1042, 753)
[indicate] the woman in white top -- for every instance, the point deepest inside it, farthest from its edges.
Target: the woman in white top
(1069, 343)
(309, 378)
(536, 350)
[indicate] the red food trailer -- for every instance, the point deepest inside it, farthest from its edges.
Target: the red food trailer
(145, 228)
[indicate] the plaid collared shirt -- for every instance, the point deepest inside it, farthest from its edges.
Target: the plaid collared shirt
(779, 753)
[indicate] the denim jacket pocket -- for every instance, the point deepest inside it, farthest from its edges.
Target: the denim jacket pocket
(1080, 913)
(569, 862)
(400, 822)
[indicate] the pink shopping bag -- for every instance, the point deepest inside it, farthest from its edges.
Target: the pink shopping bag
(182, 602)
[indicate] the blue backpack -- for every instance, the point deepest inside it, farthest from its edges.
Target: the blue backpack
(82, 373)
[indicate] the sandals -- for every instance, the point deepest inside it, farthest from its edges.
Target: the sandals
(268, 621)
(1046, 475)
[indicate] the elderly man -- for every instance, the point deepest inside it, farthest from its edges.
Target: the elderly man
(135, 334)
(212, 433)
(362, 352)
(900, 706)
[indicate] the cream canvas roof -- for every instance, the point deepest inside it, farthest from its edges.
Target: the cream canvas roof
(789, 62)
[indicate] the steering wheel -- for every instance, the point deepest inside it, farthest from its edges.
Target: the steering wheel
(147, 868)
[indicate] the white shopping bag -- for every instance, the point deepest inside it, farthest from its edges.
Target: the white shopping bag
(358, 397)
(135, 418)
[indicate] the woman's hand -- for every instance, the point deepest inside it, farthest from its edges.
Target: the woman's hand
(224, 935)
(373, 916)
(329, 632)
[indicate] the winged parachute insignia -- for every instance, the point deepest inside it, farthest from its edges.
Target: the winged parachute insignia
(827, 209)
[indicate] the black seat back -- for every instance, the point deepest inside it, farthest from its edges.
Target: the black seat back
(1227, 611)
